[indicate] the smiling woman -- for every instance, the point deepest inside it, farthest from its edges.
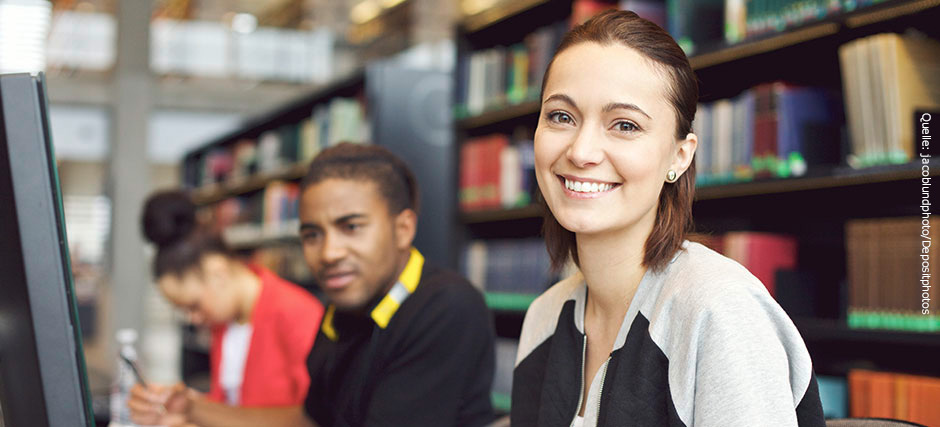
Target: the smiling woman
(654, 330)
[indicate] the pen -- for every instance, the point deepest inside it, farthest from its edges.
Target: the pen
(140, 378)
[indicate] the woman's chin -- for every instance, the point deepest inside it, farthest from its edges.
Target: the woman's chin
(581, 225)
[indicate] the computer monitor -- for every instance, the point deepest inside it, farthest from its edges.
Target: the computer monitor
(43, 381)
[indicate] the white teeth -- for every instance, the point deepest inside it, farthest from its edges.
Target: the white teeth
(587, 187)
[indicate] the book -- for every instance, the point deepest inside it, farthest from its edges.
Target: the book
(833, 393)
(496, 173)
(886, 78)
(763, 254)
(885, 274)
(498, 76)
(912, 398)
(519, 266)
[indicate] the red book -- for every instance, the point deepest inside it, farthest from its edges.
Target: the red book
(762, 254)
(496, 144)
(765, 129)
(582, 10)
(466, 175)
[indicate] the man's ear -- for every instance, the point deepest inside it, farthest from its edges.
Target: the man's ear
(685, 152)
(406, 225)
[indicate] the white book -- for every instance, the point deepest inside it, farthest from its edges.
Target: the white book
(722, 148)
(852, 97)
(510, 176)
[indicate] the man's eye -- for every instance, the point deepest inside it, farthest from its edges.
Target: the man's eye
(353, 227)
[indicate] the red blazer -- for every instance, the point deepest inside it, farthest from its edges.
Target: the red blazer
(284, 324)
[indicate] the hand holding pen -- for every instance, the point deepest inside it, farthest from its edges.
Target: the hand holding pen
(160, 405)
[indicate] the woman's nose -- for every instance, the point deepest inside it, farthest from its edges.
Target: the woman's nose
(584, 150)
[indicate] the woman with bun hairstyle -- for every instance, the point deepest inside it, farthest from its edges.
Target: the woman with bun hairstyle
(654, 330)
(262, 326)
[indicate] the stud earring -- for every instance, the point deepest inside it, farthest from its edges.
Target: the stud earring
(671, 176)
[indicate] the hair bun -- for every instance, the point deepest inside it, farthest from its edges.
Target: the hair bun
(168, 217)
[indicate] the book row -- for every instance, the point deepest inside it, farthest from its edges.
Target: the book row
(518, 266)
(771, 130)
(341, 119)
(262, 213)
(496, 172)
(886, 272)
(500, 76)
(897, 396)
(887, 79)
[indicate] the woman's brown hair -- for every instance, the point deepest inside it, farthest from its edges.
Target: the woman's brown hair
(674, 213)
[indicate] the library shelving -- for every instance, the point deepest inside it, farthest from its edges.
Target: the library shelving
(246, 182)
(812, 206)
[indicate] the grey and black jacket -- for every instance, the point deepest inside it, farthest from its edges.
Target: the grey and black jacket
(703, 344)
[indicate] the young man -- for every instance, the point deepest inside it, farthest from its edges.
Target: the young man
(402, 343)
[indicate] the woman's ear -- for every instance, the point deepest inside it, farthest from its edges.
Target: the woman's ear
(215, 270)
(685, 152)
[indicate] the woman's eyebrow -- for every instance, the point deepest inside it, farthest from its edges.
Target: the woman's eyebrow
(561, 97)
(625, 106)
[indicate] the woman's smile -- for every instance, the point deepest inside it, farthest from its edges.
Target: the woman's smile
(586, 188)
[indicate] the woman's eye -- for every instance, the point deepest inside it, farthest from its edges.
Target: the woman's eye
(626, 127)
(559, 117)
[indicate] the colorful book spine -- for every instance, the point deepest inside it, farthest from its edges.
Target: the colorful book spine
(911, 398)
(499, 76)
(773, 130)
(496, 173)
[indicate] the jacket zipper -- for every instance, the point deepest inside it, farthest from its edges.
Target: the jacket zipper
(600, 390)
(581, 391)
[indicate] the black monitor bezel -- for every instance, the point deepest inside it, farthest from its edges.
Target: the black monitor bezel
(43, 378)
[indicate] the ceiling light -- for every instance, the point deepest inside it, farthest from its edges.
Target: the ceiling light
(365, 11)
(244, 23)
(24, 26)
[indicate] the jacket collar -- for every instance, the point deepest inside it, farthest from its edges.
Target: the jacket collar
(386, 308)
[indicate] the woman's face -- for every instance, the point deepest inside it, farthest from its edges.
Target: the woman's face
(204, 295)
(606, 139)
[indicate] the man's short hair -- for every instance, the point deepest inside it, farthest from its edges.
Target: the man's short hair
(366, 162)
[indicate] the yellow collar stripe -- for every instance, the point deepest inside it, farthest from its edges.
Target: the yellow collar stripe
(411, 275)
(386, 308)
(327, 328)
(407, 283)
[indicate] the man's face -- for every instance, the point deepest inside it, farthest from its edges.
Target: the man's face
(350, 240)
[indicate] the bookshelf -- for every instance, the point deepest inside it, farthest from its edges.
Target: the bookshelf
(212, 193)
(497, 116)
(813, 207)
(844, 26)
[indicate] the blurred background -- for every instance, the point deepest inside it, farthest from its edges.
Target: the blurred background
(807, 166)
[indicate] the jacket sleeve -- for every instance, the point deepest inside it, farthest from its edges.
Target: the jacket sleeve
(443, 377)
(752, 367)
(299, 328)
